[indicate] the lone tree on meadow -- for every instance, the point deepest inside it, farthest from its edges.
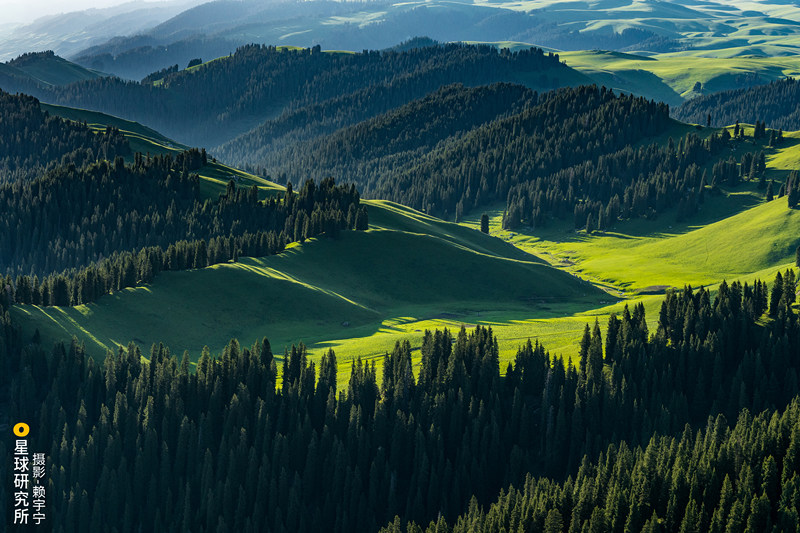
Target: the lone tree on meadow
(485, 223)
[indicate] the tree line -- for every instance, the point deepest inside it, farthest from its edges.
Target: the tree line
(78, 233)
(148, 443)
(486, 142)
(31, 139)
(772, 103)
(260, 81)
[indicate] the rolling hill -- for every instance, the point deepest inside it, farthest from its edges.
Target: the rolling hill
(49, 69)
(405, 264)
(709, 29)
(409, 267)
(239, 91)
(32, 73)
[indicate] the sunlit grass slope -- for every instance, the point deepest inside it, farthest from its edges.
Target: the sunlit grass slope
(354, 288)
(735, 235)
(671, 77)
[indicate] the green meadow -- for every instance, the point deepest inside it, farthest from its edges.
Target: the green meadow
(358, 294)
(411, 272)
(671, 77)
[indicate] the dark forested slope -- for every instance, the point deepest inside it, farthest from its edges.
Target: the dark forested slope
(222, 98)
(31, 139)
(716, 479)
(221, 448)
(113, 225)
(775, 103)
(484, 144)
(399, 134)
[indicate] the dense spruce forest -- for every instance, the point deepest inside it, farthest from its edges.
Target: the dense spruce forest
(263, 147)
(259, 82)
(691, 425)
(774, 103)
(544, 154)
(633, 183)
(217, 449)
(714, 480)
(88, 224)
(31, 139)
(110, 226)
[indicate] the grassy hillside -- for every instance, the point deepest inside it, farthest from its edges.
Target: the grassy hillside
(35, 72)
(357, 288)
(413, 272)
(736, 234)
(672, 77)
(142, 138)
(50, 69)
(657, 254)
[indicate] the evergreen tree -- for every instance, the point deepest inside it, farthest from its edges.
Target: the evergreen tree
(590, 223)
(776, 295)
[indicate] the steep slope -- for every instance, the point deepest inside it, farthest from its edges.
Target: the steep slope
(214, 175)
(32, 140)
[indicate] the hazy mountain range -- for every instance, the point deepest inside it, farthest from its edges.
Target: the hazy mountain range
(134, 39)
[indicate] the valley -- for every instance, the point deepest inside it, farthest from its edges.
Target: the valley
(441, 267)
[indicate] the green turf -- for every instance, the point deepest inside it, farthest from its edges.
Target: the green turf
(353, 288)
(413, 272)
(671, 77)
(749, 235)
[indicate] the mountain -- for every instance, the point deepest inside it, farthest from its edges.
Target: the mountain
(240, 91)
(460, 287)
(712, 29)
(46, 68)
(69, 32)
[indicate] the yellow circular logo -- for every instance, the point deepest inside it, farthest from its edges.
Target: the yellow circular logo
(21, 429)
